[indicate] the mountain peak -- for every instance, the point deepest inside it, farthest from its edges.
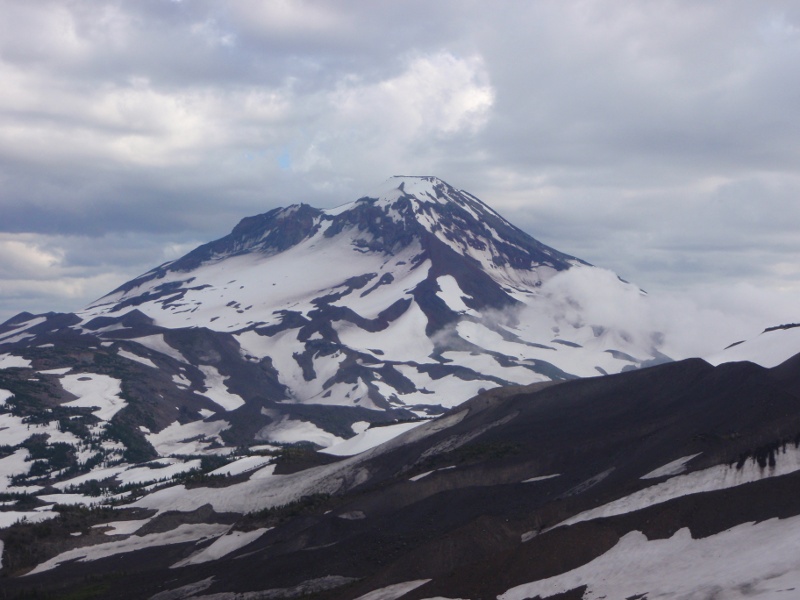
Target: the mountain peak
(410, 220)
(426, 189)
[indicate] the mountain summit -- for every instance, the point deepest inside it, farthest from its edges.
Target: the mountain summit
(420, 223)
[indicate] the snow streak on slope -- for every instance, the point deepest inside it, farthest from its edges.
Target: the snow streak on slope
(179, 535)
(97, 391)
(752, 560)
(719, 477)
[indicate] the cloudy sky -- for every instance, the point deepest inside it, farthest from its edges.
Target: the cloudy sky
(658, 139)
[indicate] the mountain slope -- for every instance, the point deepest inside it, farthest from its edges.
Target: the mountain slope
(301, 325)
(678, 479)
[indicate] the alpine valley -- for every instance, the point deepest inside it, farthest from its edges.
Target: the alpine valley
(398, 397)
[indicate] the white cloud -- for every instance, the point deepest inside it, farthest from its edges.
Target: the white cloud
(391, 123)
(435, 95)
(699, 321)
(287, 18)
(22, 256)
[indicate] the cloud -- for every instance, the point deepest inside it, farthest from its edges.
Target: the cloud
(21, 257)
(388, 122)
(657, 140)
(696, 322)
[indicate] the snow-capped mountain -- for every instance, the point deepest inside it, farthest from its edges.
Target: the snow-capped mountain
(147, 442)
(300, 325)
(404, 302)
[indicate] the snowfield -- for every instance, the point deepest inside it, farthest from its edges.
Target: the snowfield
(753, 560)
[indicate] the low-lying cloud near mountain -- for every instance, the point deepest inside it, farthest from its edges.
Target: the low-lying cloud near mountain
(692, 325)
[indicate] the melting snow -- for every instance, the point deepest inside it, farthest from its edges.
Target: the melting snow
(222, 546)
(93, 390)
(181, 534)
(217, 391)
(675, 467)
(392, 592)
(134, 357)
(369, 439)
(750, 560)
(714, 478)
(9, 361)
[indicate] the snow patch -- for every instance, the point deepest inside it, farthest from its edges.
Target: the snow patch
(217, 391)
(222, 546)
(750, 560)
(181, 534)
(95, 391)
(426, 473)
(451, 294)
(136, 358)
(123, 527)
(369, 439)
(61, 371)
(158, 343)
(719, 477)
(10, 361)
(4, 396)
(289, 431)
(181, 439)
(9, 517)
(676, 467)
(392, 592)
(540, 478)
(243, 465)
(769, 349)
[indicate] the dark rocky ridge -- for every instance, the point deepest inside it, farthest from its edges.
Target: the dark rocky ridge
(461, 527)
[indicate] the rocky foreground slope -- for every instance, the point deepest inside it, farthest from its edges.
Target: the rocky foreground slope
(679, 480)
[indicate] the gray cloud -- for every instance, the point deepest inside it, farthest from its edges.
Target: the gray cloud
(656, 139)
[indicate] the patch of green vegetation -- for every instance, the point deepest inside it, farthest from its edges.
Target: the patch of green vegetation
(483, 451)
(212, 462)
(137, 448)
(58, 455)
(270, 517)
(92, 590)
(27, 544)
(469, 454)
